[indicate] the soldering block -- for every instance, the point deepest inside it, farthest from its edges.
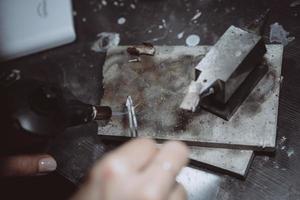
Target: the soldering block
(230, 61)
(227, 110)
(157, 85)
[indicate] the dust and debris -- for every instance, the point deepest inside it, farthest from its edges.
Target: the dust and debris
(261, 94)
(290, 152)
(279, 35)
(151, 86)
(138, 59)
(104, 2)
(164, 23)
(283, 148)
(121, 20)
(196, 16)
(229, 10)
(281, 79)
(14, 75)
(238, 53)
(106, 40)
(192, 40)
(180, 35)
(84, 19)
(276, 166)
(188, 6)
(74, 13)
(282, 139)
(266, 158)
(161, 37)
(295, 3)
(132, 6)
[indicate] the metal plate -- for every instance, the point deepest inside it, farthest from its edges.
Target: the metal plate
(231, 161)
(199, 184)
(157, 85)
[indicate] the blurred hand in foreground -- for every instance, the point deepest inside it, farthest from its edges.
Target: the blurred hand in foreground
(137, 170)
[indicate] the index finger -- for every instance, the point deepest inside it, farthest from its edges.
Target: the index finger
(129, 158)
(26, 165)
(162, 172)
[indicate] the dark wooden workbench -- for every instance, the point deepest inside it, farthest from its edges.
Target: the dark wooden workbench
(77, 67)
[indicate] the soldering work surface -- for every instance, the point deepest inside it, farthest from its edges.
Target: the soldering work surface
(157, 85)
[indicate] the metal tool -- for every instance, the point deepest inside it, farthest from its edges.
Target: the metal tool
(226, 67)
(35, 108)
(133, 125)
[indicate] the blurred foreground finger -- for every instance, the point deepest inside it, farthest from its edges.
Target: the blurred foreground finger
(27, 165)
(129, 158)
(161, 173)
(178, 193)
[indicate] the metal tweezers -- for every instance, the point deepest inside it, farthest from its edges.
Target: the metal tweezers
(131, 117)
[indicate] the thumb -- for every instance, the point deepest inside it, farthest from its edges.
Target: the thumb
(27, 165)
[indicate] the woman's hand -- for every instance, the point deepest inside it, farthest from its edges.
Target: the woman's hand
(137, 171)
(26, 165)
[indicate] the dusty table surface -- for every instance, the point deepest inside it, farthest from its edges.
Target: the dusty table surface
(169, 22)
(159, 83)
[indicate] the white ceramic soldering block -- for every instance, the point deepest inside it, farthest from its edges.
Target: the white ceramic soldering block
(30, 26)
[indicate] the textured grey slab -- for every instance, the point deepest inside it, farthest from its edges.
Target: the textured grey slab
(233, 161)
(224, 160)
(230, 161)
(157, 85)
(199, 185)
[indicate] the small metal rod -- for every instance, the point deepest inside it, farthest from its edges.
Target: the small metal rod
(134, 120)
(133, 125)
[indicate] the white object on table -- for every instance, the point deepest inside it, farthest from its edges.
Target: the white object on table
(31, 26)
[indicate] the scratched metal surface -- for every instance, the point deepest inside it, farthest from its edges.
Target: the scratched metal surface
(76, 67)
(158, 84)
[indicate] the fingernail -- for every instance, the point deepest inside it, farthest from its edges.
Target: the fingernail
(47, 165)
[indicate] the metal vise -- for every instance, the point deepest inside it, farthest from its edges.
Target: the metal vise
(228, 73)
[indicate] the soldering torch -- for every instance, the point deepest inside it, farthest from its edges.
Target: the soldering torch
(35, 109)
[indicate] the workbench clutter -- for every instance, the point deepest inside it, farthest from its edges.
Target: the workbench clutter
(222, 100)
